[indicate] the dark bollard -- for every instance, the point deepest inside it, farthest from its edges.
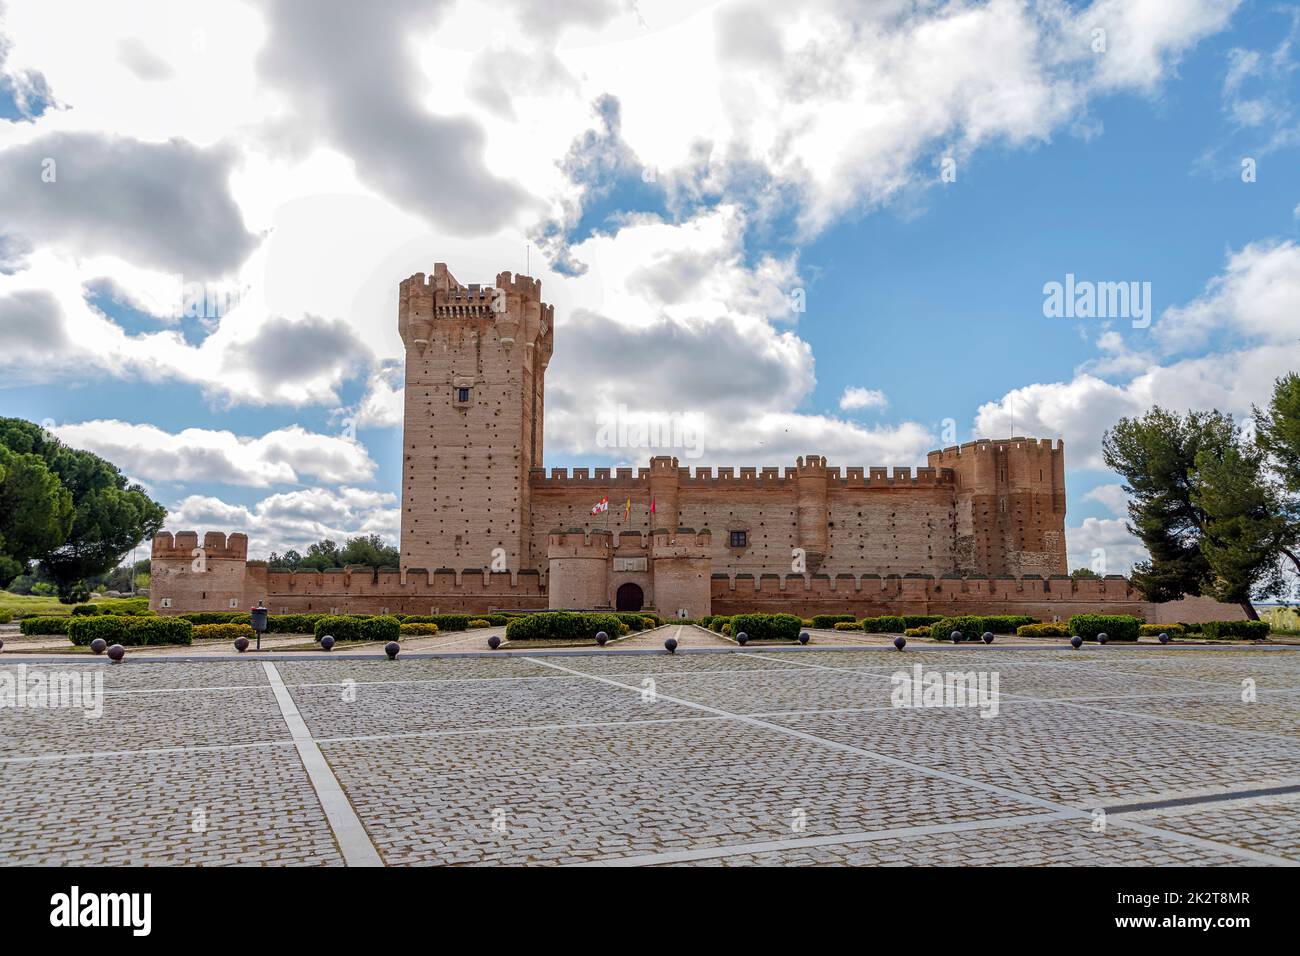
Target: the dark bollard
(241, 644)
(494, 642)
(391, 649)
(1164, 638)
(988, 637)
(1103, 637)
(2, 644)
(98, 646)
(900, 642)
(955, 637)
(803, 637)
(601, 638)
(116, 653)
(671, 645)
(1076, 642)
(742, 638)
(327, 642)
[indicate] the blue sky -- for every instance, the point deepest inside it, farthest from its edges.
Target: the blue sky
(285, 184)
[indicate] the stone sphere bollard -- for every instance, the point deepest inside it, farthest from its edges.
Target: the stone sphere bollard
(2, 644)
(955, 637)
(601, 638)
(1076, 642)
(327, 642)
(241, 644)
(494, 642)
(1103, 637)
(900, 642)
(671, 645)
(1164, 638)
(742, 638)
(116, 653)
(988, 637)
(98, 646)
(391, 649)
(803, 637)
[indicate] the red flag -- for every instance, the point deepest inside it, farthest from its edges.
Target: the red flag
(652, 504)
(601, 505)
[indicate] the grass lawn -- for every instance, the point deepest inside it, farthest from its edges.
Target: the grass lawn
(31, 604)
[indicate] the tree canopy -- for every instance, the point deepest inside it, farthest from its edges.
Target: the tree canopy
(365, 550)
(70, 510)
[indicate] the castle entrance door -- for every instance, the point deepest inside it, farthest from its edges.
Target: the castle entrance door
(629, 597)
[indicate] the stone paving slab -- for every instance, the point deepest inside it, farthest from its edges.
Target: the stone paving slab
(559, 759)
(1056, 843)
(257, 805)
(576, 795)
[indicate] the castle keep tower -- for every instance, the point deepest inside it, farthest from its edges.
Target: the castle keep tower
(475, 386)
(1010, 505)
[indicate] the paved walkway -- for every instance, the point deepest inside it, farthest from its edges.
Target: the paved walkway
(1153, 756)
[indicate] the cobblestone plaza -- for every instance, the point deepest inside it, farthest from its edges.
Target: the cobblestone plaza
(716, 756)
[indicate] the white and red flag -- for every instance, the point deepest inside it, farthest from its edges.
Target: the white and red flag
(601, 506)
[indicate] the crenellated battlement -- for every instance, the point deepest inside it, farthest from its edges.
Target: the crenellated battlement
(431, 306)
(183, 545)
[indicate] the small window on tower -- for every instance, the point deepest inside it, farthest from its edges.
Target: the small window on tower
(740, 539)
(462, 396)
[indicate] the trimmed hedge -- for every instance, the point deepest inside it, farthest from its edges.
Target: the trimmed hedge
(563, 626)
(885, 624)
(218, 617)
(767, 627)
(445, 622)
(44, 625)
(973, 627)
(417, 629)
(921, 620)
(292, 623)
(635, 621)
(917, 632)
(354, 627)
(227, 632)
(717, 622)
(1046, 629)
(129, 630)
(1118, 627)
(85, 610)
(848, 626)
(828, 621)
(1155, 630)
(1245, 630)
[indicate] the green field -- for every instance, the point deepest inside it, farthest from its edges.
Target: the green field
(28, 605)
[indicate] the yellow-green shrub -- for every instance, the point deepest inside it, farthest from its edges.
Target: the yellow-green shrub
(1046, 629)
(419, 630)
(848, 626)
(226, 632)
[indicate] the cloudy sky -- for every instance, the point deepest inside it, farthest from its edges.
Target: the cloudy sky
(823, 226)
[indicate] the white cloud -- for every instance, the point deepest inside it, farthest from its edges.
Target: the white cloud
(200, 455)
(1112, 497)
(293, 519)
(1251, 305)
(1104, 545)
(855, 397)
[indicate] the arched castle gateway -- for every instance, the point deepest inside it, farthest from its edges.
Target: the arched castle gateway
(980, 529)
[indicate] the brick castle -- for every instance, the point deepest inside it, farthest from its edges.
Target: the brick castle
(980, 529)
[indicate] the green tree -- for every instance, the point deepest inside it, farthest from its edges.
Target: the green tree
(1201, 504)
(1084, 574)
(1277, 433)
(108, 515)
(35, 511)
(371, 551)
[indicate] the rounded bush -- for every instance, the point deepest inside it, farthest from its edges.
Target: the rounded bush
(130, 631)
(355, 627)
